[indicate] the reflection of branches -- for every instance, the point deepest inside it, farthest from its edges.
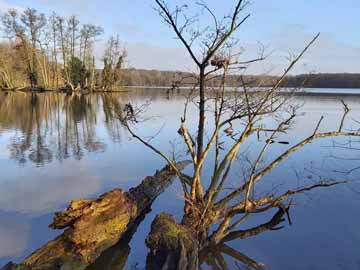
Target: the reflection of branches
(214, 258)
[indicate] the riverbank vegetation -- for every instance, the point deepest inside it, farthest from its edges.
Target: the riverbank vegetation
(55, 53)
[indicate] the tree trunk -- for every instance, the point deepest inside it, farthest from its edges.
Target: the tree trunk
(172, 246)
(200, 138)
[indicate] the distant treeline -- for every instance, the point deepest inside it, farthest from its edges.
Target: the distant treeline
(325, 80)
(156, 78)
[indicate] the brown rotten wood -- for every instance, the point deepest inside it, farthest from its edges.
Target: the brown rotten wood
(94, 225)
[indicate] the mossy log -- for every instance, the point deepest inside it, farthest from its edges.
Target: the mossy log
(94, 225)
(172, 246)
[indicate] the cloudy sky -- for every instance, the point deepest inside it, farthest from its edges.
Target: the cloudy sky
(282, 26)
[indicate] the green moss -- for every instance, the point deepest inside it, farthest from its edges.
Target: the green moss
(165, 233)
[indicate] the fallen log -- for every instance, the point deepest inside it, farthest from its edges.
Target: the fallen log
(94, 225)
(116, 257)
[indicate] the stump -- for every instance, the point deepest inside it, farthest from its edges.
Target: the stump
(172, 246)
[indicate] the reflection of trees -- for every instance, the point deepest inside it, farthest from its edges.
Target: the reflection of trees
(79, 126)
(51, 126)
(54, 125)
(112, 109)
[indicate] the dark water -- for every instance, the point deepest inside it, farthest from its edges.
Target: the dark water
(55, 148)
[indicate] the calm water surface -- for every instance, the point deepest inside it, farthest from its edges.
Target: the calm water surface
(56, 148)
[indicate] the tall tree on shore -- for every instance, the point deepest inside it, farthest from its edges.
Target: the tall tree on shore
(114, 58)
(88, 35)
(54, 29)
(73, 33)
(33, 22)
(16, 32)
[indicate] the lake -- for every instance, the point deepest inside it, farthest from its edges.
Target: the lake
(55, 148)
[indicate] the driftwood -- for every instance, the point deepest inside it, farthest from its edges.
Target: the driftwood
(94, 225)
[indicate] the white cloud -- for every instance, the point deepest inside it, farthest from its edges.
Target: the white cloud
(147, 56)
(326, 55)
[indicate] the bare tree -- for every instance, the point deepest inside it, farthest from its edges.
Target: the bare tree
(73, 32)
(212, 212)
(88, 33)
(25, 29)
(114, 58)
(33, 23)
(60, 25)
(54, 29)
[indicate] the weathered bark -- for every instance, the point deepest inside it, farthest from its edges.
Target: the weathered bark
(172, 246)
(115, 258)
(94, 225)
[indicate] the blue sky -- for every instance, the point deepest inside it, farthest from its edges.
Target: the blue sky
(283, 26)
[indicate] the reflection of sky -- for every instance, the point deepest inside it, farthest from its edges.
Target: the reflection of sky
(4, 151)
(29, 194)
(35, 192)
(14, 236)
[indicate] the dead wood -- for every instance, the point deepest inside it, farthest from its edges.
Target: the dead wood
(172, 246)
(94, 225)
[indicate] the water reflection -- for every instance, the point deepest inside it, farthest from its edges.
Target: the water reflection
(35, 194)
(68, 148)
(54, 126)
(14, 236)
(50, 126)
(224, 257)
